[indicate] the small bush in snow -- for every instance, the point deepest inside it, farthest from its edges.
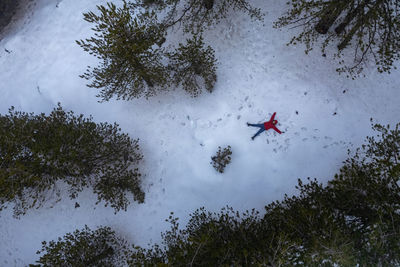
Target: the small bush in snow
(36, 151)
(85, 247)
(221, 159)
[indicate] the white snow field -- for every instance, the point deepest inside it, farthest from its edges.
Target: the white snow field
(257, 75)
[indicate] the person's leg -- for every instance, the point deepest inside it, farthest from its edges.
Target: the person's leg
(259, 131)
(260, 125)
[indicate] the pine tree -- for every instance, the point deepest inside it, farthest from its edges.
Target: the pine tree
(196, 15)
(309, 232)
(37, 151)
(371, 28)
(226, 238)
(129, 45)
(367, 192)
(129, 42)
(191, 61)
(101, 247)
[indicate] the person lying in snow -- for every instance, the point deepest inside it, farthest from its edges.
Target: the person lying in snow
(265, 126)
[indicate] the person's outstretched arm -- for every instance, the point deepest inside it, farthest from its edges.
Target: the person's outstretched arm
(276, 129)
(273, 116)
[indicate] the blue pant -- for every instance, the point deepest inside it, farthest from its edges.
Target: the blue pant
(261, 126)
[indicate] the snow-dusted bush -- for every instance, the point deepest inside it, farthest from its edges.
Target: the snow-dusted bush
(37, 151)
(86, 247)
(221, 159)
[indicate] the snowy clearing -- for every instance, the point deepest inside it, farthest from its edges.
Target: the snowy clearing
(258, 74)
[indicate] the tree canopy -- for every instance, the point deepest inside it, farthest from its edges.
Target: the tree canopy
(365, 29)
(38, 151)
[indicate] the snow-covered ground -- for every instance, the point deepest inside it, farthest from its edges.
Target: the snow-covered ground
(258, 74)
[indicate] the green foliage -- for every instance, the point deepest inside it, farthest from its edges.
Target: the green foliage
(37, 151)
(367, 192)
(128, 45)
(85, 247)
(370, 28)
(221, 159)
(197, 15)
(129, 42)
(227, 238)
(310, 233)
(191, 61)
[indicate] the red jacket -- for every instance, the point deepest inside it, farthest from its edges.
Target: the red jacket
(270, 125)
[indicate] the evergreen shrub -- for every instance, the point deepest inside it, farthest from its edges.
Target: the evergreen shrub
(221, 159)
